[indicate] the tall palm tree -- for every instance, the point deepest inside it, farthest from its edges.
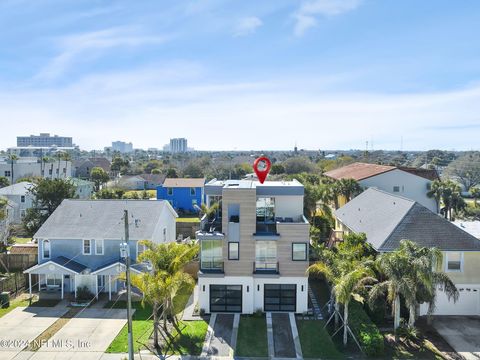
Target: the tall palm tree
(167, 280)
(426, 276)
(12, 158)
(349, 270)
(395, 267)
(66, 157)
(349, 188)
(436, 191)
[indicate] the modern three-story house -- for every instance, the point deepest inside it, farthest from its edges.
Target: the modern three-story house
(254, 249)
(79, 244)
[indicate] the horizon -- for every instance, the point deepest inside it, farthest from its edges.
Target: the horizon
(316, 73)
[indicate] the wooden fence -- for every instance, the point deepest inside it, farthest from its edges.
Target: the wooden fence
(17, 262)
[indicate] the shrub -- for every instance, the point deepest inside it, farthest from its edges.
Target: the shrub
(365, 330)
(84, 294)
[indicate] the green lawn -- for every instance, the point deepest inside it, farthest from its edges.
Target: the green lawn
(20, 240)
(188, 219)
(24, 301)
(252, 337)
(315, 340)
(190, 340)
(141, 325)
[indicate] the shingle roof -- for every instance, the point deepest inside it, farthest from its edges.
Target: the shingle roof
(387, 219)
(157, 179)
(69, 264)
(358, 171)
(184, 182)
(102, 219)
(20, 188)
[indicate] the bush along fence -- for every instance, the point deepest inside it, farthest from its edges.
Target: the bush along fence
(367, 333)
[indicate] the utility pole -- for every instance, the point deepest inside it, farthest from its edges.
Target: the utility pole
(129, 293)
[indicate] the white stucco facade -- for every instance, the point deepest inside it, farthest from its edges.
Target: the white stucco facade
(253, 291)
(408, 185)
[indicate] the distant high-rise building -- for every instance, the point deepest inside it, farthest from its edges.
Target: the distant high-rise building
(122, 147)
(178, 145)
(44, 140)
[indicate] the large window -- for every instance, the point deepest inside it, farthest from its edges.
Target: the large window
(46, 249)
(169, 191)
(454, 261)
(265, 210)
(266, 255)
(87, 248)
(54, 280)
(299, 251)
(211, 254)
(99, 247)
(233, 251)
(192, 191)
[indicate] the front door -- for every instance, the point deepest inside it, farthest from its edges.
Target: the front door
(225, 298)
(280, 297)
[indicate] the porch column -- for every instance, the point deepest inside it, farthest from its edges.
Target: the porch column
(75, 285)
(96, 287)
(109, 287)
(39, 276)
(30, 283)
(62, 284)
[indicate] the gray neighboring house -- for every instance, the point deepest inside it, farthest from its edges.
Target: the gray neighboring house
(6, 221)
(20, 197)
(83, 188)
(83, 167)
(79, 244)
(138, 182)
(387, 219)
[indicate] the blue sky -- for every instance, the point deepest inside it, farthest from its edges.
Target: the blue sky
(326, 74)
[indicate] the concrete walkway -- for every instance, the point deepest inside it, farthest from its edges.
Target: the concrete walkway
(461, 332)
(222, 340)
(190, 308)
(24, 324)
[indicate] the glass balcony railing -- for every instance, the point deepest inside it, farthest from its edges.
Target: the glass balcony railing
(211, 266)
(266, 267)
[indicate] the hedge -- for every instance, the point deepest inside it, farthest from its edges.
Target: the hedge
(365, 330)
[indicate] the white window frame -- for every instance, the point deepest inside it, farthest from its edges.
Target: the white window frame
(56, 278)
(89, 245)
(99, 241)
(396, 187)
(461, 261)
(22, 199)
(49, 249)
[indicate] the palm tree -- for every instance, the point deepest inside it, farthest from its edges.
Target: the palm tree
(436, 191)
(167, 280)
(12, 158)
(66, 157)
(395, 267)
(349, 270)
(475, 192)
(349, 188)
(426, 276)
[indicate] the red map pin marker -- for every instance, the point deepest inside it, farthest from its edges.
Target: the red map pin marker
(262, 166)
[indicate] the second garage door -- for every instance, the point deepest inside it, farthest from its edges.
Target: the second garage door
(280, 297)
(225, 298)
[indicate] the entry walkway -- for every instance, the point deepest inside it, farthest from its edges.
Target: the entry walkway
(221, 338)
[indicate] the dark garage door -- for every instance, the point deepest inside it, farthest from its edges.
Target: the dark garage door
(225, 298)
(280, 297)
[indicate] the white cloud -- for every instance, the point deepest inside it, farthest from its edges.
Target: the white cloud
(247, 26)
(149, 105)
(306, 16)
(89, 45)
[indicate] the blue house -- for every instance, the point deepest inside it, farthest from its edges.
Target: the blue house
(79, 244)
(183, 194)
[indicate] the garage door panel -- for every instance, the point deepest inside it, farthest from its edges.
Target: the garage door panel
(280, 297)
(225, 298)
(468, 302)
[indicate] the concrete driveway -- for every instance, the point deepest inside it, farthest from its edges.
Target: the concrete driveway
(22, 325)
(462, 333)
(92, 330)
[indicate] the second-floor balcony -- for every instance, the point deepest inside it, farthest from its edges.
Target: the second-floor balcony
(212, 266)
(266, 267)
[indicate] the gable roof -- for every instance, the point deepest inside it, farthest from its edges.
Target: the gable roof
(184, 182)
(102, 219)
(157, 179)
(21, 188)
(387, 219)
(102, 162)
(360, 171)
